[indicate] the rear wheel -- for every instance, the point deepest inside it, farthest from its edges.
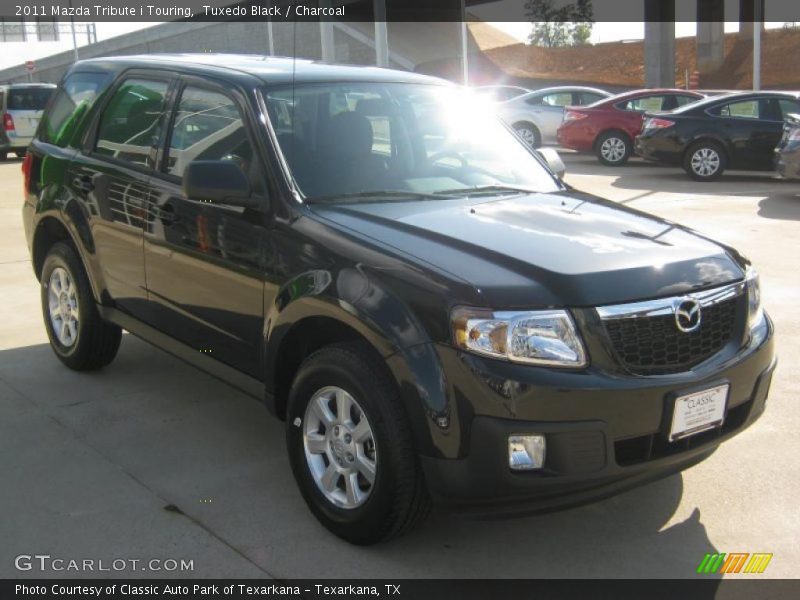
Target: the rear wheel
(529, 134)
(350, 446)
(78, 336)
(613, 148)
(705, 161)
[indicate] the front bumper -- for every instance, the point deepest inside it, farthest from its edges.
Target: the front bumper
(604, 434)
(787, 163)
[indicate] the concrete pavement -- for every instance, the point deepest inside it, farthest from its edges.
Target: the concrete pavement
(91, 461)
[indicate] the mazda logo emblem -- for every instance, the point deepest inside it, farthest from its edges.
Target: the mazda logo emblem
(687, 315)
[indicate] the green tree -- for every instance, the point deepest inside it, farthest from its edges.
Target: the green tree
(566, 25)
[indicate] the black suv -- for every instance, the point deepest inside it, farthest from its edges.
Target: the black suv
(433, 313)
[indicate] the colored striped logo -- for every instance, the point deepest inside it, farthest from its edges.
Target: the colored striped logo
(734, 562)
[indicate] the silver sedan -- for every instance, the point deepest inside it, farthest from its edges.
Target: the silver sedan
(536, 116)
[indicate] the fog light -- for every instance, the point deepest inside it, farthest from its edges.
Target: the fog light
(526, 452)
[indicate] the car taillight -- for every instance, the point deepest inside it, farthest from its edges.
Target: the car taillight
(655, 123)
(27, 163)
(574, 115)
(8, 122)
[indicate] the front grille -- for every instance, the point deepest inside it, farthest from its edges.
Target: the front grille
(653, 345)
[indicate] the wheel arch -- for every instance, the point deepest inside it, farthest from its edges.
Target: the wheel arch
(311, 323)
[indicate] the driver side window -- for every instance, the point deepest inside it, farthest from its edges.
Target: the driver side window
(208, 126)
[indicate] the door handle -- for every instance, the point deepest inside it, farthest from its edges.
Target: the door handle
(83, 183)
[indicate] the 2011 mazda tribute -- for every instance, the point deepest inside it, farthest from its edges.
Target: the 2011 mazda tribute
(431, 310)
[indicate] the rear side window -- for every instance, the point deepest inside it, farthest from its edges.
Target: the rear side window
(559, 99)
(747, 109)
(586, 98)
(33, 98)
(73, 101)
(644, 103)
(130, 127)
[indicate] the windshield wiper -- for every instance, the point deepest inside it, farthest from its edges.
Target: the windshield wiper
(487, 190)
(382, 195)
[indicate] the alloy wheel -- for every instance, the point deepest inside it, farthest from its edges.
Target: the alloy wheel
(339, 447)
(62, 299)
(705, 162)
(527, 135)
(613, 149)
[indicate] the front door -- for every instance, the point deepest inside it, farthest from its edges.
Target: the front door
(205, 263)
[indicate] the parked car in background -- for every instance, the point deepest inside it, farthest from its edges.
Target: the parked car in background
(500, 93)
(609, 127)
(734, 131)
(536, 116)
(787, 153)
(21, 105)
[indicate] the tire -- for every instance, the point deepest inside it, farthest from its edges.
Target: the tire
(397, 499)
(20, 153)
(705, 161)
(613, 148)
(529, 133)
(82, 341)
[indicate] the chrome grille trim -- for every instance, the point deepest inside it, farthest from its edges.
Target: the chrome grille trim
(667, 306)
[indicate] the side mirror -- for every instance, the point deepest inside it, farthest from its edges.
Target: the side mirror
(218, 182)
(553, 160)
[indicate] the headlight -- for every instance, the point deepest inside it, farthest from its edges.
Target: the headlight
(547, 338)
(754, 311)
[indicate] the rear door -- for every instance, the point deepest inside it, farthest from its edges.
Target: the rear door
(550, 112)
(112, 178)
(205, 263)
(24, 107)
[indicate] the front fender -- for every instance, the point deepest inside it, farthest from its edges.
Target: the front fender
(358, 299)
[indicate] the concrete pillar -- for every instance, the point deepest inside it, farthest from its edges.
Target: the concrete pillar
(748, 11)
(710, 35)
(381, 34)
(659, 43)
(327, 44)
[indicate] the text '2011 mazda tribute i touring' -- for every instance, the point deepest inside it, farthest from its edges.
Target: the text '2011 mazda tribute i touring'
(433, 313)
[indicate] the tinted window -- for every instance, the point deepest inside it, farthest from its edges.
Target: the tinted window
(131, 123)
(72, 102)
(29, 98)
(208, 126)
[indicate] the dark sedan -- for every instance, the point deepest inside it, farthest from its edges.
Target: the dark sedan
(787, 152)
(733, 131)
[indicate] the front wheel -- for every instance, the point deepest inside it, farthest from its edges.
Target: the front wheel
(78, 336)
(350, 446)
(613, 148)
(705, 161)
(529, 134)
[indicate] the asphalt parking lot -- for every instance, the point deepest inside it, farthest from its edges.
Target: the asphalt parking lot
(90, 461)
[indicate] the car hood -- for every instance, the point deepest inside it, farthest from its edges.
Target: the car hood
(557, 249)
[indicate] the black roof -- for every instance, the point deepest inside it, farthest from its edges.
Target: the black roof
(729, 97)
(269, 69)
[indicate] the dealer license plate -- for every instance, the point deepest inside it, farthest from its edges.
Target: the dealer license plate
(698, 412)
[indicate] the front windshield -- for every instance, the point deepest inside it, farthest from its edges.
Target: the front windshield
(355, 139)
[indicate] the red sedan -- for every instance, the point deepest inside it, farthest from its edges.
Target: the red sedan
(608, 127)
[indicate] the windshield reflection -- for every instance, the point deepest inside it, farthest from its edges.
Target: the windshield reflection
(368, 140)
